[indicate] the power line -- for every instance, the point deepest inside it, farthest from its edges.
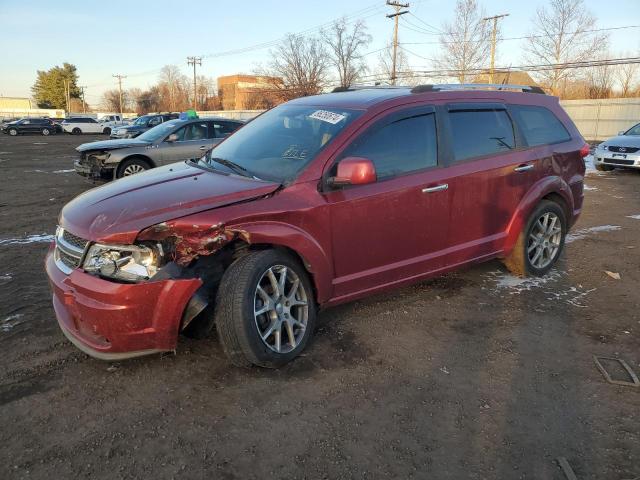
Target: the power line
(194, 61)
(120, 77)
(494, 31)
(398, 11)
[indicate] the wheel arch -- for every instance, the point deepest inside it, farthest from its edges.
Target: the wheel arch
(141, 156)
(554, 189)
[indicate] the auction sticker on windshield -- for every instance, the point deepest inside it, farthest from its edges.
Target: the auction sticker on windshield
(326, 116)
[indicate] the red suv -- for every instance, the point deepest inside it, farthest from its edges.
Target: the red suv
(319, 201)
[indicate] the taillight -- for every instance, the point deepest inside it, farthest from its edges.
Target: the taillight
(585, 150)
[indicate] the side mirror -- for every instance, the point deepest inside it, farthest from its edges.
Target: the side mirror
(354, 171)
(172, 138)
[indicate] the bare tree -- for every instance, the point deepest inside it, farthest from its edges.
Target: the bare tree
(465, 42)
(345, 47)
(563, 33)
(384, 69)
(599, 80)
(626, 76)
(173, 82)
(149, 101)
(298, 67)
(111, 100)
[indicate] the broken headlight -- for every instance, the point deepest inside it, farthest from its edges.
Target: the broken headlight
(129, 263)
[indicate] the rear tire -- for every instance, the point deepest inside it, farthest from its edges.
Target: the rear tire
(46, 132)
(131, 166)
(541, 241)
(265, 319)
(76, 131)
(13, 132)
(107, 131)
(604, 168)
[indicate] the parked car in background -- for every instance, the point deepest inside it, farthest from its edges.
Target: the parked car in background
(318, 201)
(57, 122)
(168, 142)
(43, 126)
(141, 125)
(622, 151)
(80, 125)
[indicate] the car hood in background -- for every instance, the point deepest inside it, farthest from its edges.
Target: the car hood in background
(624, 141)
(112, 144)
(118, 211)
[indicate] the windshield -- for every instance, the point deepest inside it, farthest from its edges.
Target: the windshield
(280, 143)
(141, 120)
(159, 131)
(635, 130)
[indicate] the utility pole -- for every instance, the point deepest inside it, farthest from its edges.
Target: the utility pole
(84, 105)
(120, 77)
(397, 6)
(194, 61)
(66, 94)
(495, 19)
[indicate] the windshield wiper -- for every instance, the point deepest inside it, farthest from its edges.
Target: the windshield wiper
(239, 169)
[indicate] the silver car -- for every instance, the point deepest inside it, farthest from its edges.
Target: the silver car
(168, 142)
(621, 151)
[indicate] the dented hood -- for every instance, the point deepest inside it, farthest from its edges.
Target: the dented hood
(116, 212)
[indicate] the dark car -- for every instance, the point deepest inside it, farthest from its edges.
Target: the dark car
(319, 201)
(141, 125)
(57, 122)
(168, 142)
(43, 126)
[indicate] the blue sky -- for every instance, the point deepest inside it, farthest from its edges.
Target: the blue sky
(136, 38)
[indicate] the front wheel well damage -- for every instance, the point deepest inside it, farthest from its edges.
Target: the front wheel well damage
(198, 317)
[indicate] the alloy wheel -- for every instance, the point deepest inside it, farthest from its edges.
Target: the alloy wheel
(281, 309)
(544, 240)
(132, 170)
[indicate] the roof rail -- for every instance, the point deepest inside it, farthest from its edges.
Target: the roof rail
(477, 86)
(353, 88)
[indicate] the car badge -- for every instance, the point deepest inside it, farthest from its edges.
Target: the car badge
(622, 149)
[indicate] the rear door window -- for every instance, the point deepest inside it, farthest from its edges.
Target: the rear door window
(539, 125)
(406, 143)
(479, 132)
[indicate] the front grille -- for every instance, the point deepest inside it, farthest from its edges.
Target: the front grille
(74, 240)
(618, 161)
(624, 149)
(69, 250)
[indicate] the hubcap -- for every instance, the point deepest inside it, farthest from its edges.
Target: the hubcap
(45, 132)
(544, 240)
(281, 309)
(132, 170)
(13, 132)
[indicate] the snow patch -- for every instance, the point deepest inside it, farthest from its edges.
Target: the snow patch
(43, 237)
(587, 188)
(517, 285)
(635, 217)
(64, 171)
(11, 321)
(585, 232)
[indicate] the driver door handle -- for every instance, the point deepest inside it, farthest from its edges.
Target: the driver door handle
(437, 188)
(523, 168)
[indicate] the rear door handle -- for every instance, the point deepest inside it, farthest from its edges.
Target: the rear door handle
(523, 168)
(437, 188)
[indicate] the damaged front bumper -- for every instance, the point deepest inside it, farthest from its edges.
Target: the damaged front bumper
(114, 321)
(93, 168)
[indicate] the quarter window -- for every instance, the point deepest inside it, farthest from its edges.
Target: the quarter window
(405, 145)
(539, 125)
(480, 132)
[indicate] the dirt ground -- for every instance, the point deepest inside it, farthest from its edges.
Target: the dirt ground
(475, 375)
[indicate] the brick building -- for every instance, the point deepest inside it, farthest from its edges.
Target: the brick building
(247, 92)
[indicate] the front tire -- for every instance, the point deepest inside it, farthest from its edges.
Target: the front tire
(265, 311)
(132, 166)
(13, 132)
(46, 132)
(604, 168)
(541, 241)
(107, 131)
(76, 131)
